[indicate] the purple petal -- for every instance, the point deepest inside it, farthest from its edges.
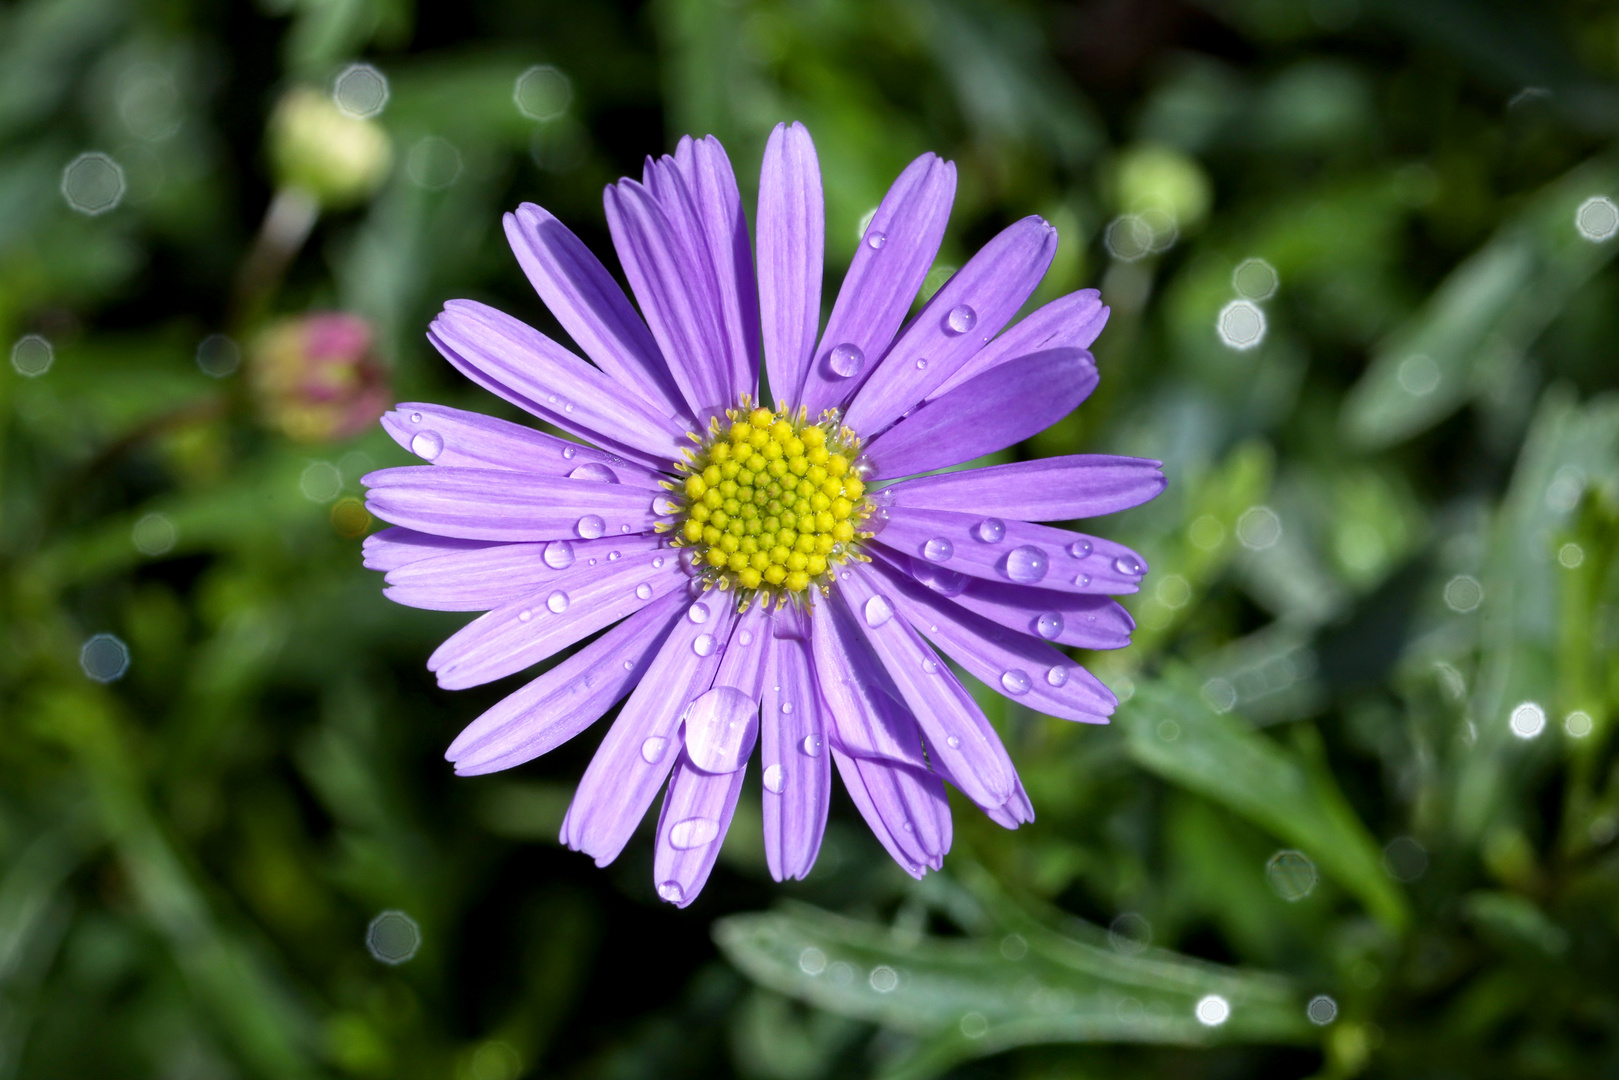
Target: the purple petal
(446, 436)
(1051, 489)
(868, 720)
(591, 307)
(696, 815)
(522, 365)
(1015, 665)
(570, 697)
(1000, 407)
(956, 323)
(536, 624)
(957, 733)
(722, 247)
(883, 277)
(1085, 621)
(643, 743)
(1069, 322)
(676, 289)
(792, 243)
(394, 547)
(792, 741)
(1014, 551)
(496, 504)
(906, 808)
(1015, 811)
(485, 578)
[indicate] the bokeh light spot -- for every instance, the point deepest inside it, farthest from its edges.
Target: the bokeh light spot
(218, 356)
(1291, 875)
(104, 658)
(360, 91)
(1528, 719)
(1418, 375)
(393, 937)
(1255, 279)
(1404, 859)
(1259, 528)
(433, 163)
(1578, 723)
(1322, 1010)
(32, 356)
(321, 482)
(1129, 934)
(1597, 218)
(1241, 325)
(1213, 1010)
(153, 534)
(542, 92)
(93, 183)
(1463, 593)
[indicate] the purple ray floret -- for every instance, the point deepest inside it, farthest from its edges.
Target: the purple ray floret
(792, 586)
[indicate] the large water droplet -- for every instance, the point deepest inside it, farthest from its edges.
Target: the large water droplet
(1057, 675)
(427, 444)
(1026, 565)
(1079, 549)
(1128, 565)
(663, 505)
(846, 360)
(878, 610)
(652, 750)
(594, 470)
(938, 549)
(811, 745)
(590, 526)
(693, 832)
(876, 239)
(991, 530)
(643, 591)
(775, 778)
(558, 555)
(557, 602)
(672, 892)
(1015, 681)
(961, 319)
(704, 645)
(721, 727)
(1049, 625)
(940, 580)
(698, 613)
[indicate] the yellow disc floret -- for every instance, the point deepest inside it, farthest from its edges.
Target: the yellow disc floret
(769, 502)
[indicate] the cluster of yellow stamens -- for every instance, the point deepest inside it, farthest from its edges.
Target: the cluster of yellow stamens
(770, 502)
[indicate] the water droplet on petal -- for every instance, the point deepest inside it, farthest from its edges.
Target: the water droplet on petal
(846, 360)
(652, 750)
(1016, 681)
(657, 562)
(568, 407)
(876, 239)
(594, 470)
(1049, 625)
(663, 505)
(922, 364)
(961, 319)
(745, 638)
(786, 706)
(427, 445)
(415, 417)
(991, 530)
(672, 892)
(1079, 548)
(930, 665)
(953, 742)
(1083, 580)
(557, 602)
(811, 745)
(698, 613)
(938, 549)
(643, 591)
(1128, 565)
(721, 728)
(940, 580)
(629, 665)
(1026, 565)
(558, 555)
(775, 778)
(1057, 676)
(525, 615)
(704, 645)
(878, 610)
(590, 526)
(568, 452)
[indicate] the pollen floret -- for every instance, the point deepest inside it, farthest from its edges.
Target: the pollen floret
(770, 502)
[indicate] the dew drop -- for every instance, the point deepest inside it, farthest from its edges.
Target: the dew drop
(1057, 675)
(643, 591)
(922, 364)
(623, 528)
(427, 445)
(590, 526)
(745, 638)
(698, 613)
(953, 742)
(1049, 625)
(558, 555)
(652, 749)
(557, 602)
(568, 452)
(704, 645)
(846, 360)
(1128, 565)
(415, 417)
(594, 470)
(613, 556)
(811, 745)
(568, 407)
(657, 562)
(721, 728)
(878, 610)
(938, 549)
(1026, 565)
(876, 239)
(991, 530)
(940, 580)
(961, 319)
(672, 892)
(629, 665)
(525, 615)
(663, 506)
(775, 778)
(1083, 580)
(786, 706)
(1016, 681)
(931, 666)
(1079, 548)
(592, 562)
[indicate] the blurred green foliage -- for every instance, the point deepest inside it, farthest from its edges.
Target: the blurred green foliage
(1358, 814)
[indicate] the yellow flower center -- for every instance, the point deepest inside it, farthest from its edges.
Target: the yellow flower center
(770, 502)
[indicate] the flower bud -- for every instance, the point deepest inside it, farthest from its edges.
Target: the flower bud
(315, 147)
(315, 377)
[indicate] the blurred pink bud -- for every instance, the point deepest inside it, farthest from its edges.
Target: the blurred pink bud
(315, 377)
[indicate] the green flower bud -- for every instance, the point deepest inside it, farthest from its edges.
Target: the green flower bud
(315, 147)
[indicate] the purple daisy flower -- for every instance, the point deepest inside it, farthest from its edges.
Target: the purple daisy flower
(764, 576)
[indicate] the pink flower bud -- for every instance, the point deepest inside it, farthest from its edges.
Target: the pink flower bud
(315, 377)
